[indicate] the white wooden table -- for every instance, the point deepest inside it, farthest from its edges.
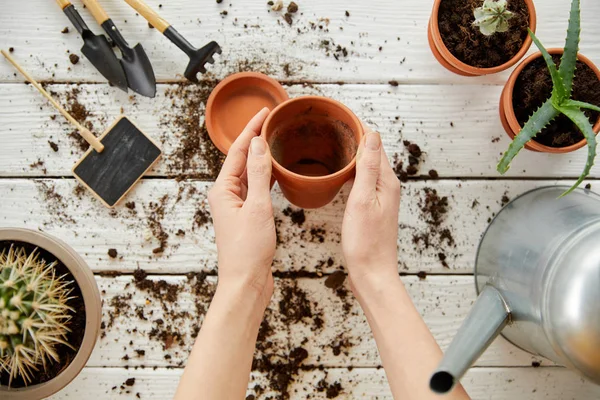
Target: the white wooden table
(453, 119)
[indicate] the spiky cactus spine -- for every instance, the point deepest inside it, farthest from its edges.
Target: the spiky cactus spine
(33, 312)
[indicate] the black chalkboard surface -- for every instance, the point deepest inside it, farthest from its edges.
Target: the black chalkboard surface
(128, 154)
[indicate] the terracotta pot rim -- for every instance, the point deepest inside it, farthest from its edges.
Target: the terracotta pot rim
(507, 101)
(469, 69)
(210, 128)
(92, 303)
(278, 168)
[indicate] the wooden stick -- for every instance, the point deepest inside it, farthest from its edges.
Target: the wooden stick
(97, 11)
(149, 14)
(63, 3)
(85, 133)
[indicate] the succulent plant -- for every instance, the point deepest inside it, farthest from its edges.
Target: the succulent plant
(560, 101)
(34, 314)
(492, 17)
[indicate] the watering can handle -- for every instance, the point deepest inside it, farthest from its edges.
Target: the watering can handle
(485, 321)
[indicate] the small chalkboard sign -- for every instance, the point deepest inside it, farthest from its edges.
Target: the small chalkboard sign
(128, 154)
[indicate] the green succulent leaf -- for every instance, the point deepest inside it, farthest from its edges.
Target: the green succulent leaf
(581, 104)
(582, 122)
(559, 92)
(568, 61)
(538, 121)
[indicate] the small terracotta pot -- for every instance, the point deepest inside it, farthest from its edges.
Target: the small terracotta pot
(93, 310)
(453, 64)
(507, 112)
(235, 100)
(313, 142)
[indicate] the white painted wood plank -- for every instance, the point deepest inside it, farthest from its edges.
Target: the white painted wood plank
(457, 127)
(144, 330)
(253, 38)
(91, 229)
(360, 383)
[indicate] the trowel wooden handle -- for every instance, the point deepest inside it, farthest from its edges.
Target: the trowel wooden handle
(97, 11)
(63, 3)
(151, 16)
(86, 134)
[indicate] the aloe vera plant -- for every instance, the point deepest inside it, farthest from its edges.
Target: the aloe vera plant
(560, 101)
(33, 313)
(492, 17)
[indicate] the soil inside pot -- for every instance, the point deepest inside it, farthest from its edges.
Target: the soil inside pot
(76, 324)
(534, 86)
(469, 45)
(313, 145)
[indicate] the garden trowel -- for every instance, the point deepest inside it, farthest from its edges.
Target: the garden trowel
(96, 48)
(135, 62)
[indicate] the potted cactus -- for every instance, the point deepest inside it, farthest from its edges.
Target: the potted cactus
(479, 37)
(547, 107)
(50, 314)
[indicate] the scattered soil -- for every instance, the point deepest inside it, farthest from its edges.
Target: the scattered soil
(292, 7)
(74, 58)
(414, 160)
(469, 45)
(297, 216)
(194, 156)
(436, 236)
(393, 83)
(53, 145)
(65, 30)
(331, 390)
(76, 324)
(112, 253)
(156, 213)
(534, 86)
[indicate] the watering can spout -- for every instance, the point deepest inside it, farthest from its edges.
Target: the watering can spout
(485, 321)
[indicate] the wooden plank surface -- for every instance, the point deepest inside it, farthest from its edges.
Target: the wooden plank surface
(360, 383)
(151, 321)
(462, 138)
(158, 207)
(254, 38)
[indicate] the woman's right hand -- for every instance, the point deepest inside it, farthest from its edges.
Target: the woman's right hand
(370, 226)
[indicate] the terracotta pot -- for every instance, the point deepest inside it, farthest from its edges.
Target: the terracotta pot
(93, 309)
(313, 141)
(453, 64)
(507, 112)
(235, 100)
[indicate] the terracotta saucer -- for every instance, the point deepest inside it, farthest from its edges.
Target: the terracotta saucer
(235, 100)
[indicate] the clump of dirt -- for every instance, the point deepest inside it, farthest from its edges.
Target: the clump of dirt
(534, 86)
(332, 390)
(194, 156)
(39, 164)
(437, 236)
(335, 280)
(112, 253)
(201, 218)
(74, 58)
(156, 213)
(296, 216)
(466, 42)
(53, 146)
(414, 160)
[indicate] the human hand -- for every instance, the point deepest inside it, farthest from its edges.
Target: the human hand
(370, 226)
(240, 203)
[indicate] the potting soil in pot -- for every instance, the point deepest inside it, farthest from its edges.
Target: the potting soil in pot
(469, 45)
(76, 324)
(313, 145)
(534, 86)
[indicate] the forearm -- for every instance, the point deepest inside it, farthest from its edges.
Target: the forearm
(220, 363)
(408, 350)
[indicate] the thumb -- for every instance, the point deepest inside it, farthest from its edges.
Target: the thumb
(259, 171)
(368, 164)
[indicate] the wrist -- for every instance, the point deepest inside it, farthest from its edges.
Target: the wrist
(243, 297)
(373, 284)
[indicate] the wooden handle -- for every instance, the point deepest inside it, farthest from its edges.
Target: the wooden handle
(97, 11)
(86, 134)
(151, 16)
(63, 3)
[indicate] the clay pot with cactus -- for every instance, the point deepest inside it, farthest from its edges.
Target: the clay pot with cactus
(479, 37)
(50, 312)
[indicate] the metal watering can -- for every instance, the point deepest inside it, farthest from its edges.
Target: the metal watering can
(537, 273)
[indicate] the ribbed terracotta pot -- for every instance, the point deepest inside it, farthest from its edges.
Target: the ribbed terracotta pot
(507, 112)
(93, 309)
(313, 142)
(453, 64)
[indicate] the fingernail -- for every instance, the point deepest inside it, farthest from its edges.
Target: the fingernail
(258, 146)
(373, 141)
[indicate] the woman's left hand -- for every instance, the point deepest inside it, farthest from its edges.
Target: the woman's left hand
(240, 203)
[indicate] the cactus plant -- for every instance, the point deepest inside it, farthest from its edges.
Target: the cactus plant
(34, 314)
(492, 17)
(560, 101)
